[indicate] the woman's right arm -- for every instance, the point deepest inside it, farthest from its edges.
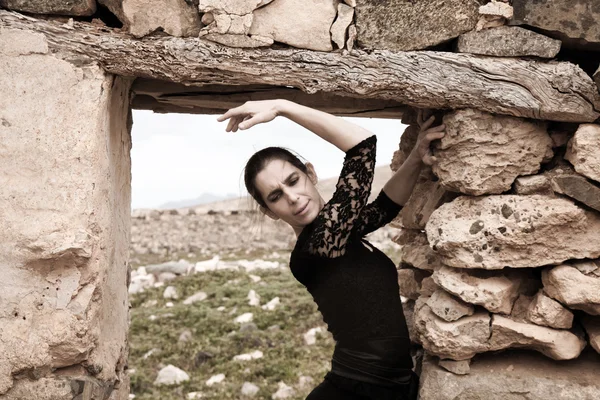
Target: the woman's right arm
(337, 131)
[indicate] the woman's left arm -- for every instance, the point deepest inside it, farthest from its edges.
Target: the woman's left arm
(400, 186)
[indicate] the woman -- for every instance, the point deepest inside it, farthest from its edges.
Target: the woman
(354, 284)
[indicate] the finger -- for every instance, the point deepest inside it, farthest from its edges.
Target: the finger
(233, 124)
(427, 158)
(255, 119)
(428, 123)
(431, 136)
(438, 128)
(232, 112)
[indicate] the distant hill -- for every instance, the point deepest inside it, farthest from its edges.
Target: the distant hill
(326, 188)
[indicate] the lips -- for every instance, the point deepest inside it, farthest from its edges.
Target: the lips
(302, 209)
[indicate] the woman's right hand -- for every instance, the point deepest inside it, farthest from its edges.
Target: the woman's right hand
(250, 114)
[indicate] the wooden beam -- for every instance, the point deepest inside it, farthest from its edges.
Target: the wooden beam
(544, 90)
(166, 97)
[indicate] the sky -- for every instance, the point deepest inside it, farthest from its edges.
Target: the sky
(181, 156)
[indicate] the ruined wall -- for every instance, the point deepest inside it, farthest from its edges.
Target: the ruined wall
(500, 238)
(64, 224)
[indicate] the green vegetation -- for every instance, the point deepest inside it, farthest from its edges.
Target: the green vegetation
(216, 338)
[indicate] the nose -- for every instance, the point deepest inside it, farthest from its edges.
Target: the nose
(292, 197)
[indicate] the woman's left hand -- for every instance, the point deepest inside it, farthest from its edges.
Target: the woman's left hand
(427, 134)
(250, 114)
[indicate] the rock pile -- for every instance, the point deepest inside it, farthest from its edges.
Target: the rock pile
(512, 259)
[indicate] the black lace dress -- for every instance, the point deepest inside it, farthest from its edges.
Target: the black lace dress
(354, 285)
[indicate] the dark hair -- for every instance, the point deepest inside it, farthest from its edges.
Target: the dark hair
(257, 163)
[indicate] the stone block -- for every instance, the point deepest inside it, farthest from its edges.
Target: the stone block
(582, 151)
(484, 153)
(175, 17)
(448, 307)
(64, 243)
(457, 340)
(496, 291)
(493, 232)
(548, 312)
(400, 25)
(514, 375)
(303, 24)
(565, 181)
(572, 21)
(508, 41)
(558, 344)
(573, 288)
(56, 7)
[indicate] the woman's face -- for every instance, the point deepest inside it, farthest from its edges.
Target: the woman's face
(289, 193)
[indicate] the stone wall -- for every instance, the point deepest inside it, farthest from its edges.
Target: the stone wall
(64, 225)
(500, 239)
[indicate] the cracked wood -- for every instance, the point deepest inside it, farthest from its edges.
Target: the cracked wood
(543, 90)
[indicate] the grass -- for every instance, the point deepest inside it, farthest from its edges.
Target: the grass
(286, 356)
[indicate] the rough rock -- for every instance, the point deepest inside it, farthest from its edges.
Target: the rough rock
(196, 297)
(520, 308)
(310, 337)
(554, 343)
(462, 367)
(548, 312)
(271, 304)
(565, 181)
(582, 151)
(592, 328)
(345, 14)
(352, 34)
(175, 17)
(60, 7)
(458, 340)
(409, 281)
(425, 198)
(245, 317)
(253, 298)
(303, 24)
(180, 267)
(533, 184)
(496, 291)
(448, 307)
(571, 287)
(496, 9)
(596, 77)
(399, 25)
(249, 389)
(494, 232)
(514, 375)
(508, 41)
(171, 375)
(229, 23)
(407, 142)
(170, 293)
(572, 21)
(408, 309)
(63, 244)
(588, 267)
(283, 391)
(231, 7)
(419, 254)
(215, 379)
(484, 153)
(428, 286)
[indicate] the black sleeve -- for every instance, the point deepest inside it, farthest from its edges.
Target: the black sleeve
(376, 214)
(334, 224)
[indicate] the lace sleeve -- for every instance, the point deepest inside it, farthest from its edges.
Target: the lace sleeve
(334, 223)
(376, 214)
